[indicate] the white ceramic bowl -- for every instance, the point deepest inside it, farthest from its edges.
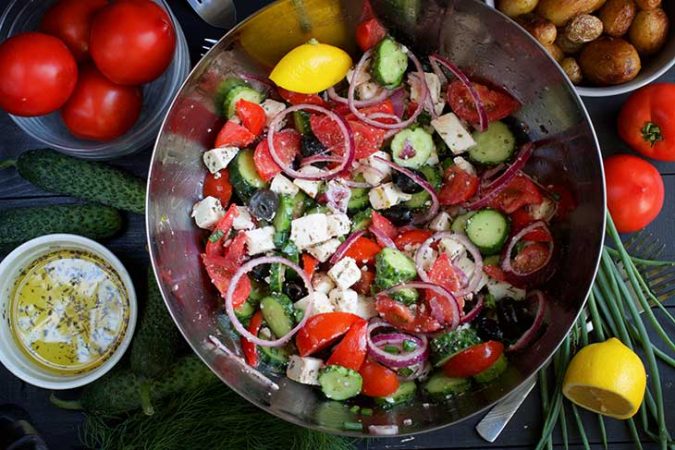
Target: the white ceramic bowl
(10, 355)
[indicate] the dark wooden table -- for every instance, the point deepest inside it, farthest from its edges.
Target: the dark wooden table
(60, 428)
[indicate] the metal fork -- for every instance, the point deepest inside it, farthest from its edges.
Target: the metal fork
(208, 43)
(660, 278)
(217, 13)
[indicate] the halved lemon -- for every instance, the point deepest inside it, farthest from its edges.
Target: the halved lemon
(312, 67)
(607, 378)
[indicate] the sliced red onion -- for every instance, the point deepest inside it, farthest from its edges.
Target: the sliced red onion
(506, 263)
(347, 158)
(375, 123)
(398, 98)
(468, 317)
(533, 331)
(486, 179)
(494, 188)
(383, 115)
(342, 249)
(383, 430)
(477, 274)
(337, 196)
(480, 108)
(337, 98)
(319, 159)
(439, 290)
(382, 238)
(229, 308)
(395, 361)
(433, 209)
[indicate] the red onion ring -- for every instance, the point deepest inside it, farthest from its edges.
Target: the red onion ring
(440, 290)
(318, 159)
(532, 332)
(468, 317)
(388, 126)
(347, 158)
(382, 238)
(383, 115)
(477, 274)
(506, 263)
(428, 102)
(342, 249)
(396, 361)
(480, 108)
(337, 98)
(243, 270)
(397, 98)
(337, 196)
(435, 204)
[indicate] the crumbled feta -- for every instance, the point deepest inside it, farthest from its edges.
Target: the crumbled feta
(207, 212)
(344, 300)
(501, 289)
(456, 137)
(442, 222)
(321, 282)
(309, 187)
(339, 224)
(218, 158)
(359, 77)
(304, 369)
(410, 250)
(368, 90)
(427, 258)
(243, 221)
(272, 108)
(282, 185)
(365, 308)
(309, 230)
(465, 165)
(376, 171)
(543, 211)
(387, 195)
(434, 85)
(454, 249)
(318, 300)
(260, 240)
(467, 266)
(324, 250)
(345, 273)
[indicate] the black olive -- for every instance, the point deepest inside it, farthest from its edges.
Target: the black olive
(311, 146)
(399, 215)
(264, 204)
(488, 329)
(407, 184)
(295, 289)
(514, 317)
(260, 272)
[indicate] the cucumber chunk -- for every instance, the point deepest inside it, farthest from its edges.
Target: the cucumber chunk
(494, 145)
(277, 310)
(420, 199)
(447, 345)
(274, 357)
(389, 63)
(393, 267)
(494, 371)
(340, 383)
(412, 147)
(362, 220)
(240, 93)
(459, 224)
(442, 386)
(301, 122)
(243, 175)
(405, 393)
(488, 229)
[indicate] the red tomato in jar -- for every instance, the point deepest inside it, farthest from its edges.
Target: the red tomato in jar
(70, 21)
(99, 109)
(497, 103)
(474, 359)
(635, 192)
(132, 41)
(37, 74)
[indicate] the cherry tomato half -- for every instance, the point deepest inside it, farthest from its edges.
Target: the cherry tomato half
(378, 381)
(474, 360)
(458, 186)
(70, 21)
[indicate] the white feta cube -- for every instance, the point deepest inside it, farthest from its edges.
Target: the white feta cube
(260, 240)
(309, 187)
(456, 137)
(309, 230)
(543, 211)
(467, 266)
(218, 158)
(365, 308)
(501, 289)
(454, 249)
(272, 108)
(243, 221)
(282, 185)
(434, 85)
(321, 282)
(387, 195)
(359, 77)
(319, 301)
(368, 90)
(465, 165)
(345, 273)
(442, 222)
(304, 369)
(324, 250)
(344, 300)
(427, 258)
(207, 212)
(375, 171)
(338, 225)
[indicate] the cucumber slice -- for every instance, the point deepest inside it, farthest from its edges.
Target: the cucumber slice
(362, 219)
(246, 310)
(284, 215)
(459, 224)
(412, 147)
(340, 383)
(243, 176)
(442, 386)
(274, 357)
(405, 393)
(393, 267)
(301, 122)
(494, 145)
(494, 371)
(277, 310)
(447, 345)
(406, 296)
(389, 63)
(488, 229)
(420, 199)
(240, 93)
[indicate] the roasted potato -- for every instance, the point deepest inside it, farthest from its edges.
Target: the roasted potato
(572, 69)
(555, 52)
(608, 60)
(616, 16)
(583, 28)
(542, 30)
(566, 45)
(648, 4)
(561, 11)
(515, 8)
(649, 31)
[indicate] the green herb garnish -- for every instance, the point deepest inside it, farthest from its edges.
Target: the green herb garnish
(215, 236)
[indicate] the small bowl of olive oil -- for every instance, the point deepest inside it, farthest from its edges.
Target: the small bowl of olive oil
(67, 311)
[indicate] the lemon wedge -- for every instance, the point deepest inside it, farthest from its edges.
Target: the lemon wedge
(607, 378)
(312, 67)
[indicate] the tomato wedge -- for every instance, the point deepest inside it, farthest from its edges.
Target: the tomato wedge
(287, 146)
(367, 139)
(444, 274)
(474, 360)
(233, 135)
(365, 282)
(401, 317)
(458, 186)
(369, 33)
(252, 115)
(220, 187)
(322, 329)
(351, 351)
(309, 264)
(378, 381)
(412, 238)
(520, 191)
(249, 348)
(497, 103)
(214, 245)
(381, 223)
(531, 258)
(363, 250)
(495, 272)
(221, 274)
(296, 98)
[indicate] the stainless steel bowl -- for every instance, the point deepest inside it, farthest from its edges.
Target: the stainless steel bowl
(486, 45)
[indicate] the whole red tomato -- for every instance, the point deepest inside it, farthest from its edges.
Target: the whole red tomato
(647, 121)
(132, 41)
(70, 21)
(99, 109)
(37, 74)
(634, 192)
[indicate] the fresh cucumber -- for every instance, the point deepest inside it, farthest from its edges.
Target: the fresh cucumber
(340, 383)
(459, 224)
(92, 181)
(359, 197)
(447, 345)
(494, 145)
(420, 199)
(494, 371)
(442, 386)
(237, 93)
(301, 122)
(243, 175)
(284, 215)
(362, 219)
(393, 267)
(405, 393)
(274, 357)
(245, 311)
(22, 224)
(277, 310)
(390, 63)
(224, 88)
(488, 229)
(412, 147)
